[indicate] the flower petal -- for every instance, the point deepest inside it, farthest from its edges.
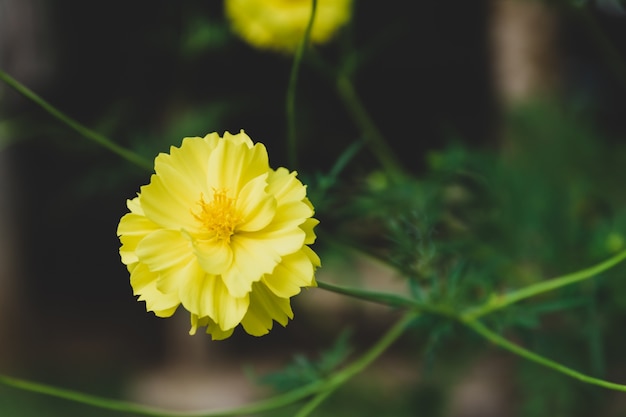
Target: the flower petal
(273, 239)
(255, 205)
(307, 227)
(229, 310)
(285, 186)
(265, 307)
(216, 333)
(232, 165)
(172, 279)
(167, 209)
(213, 255)
(164, 249)
(143, 282)
(188, 163)
(290, 215)
(131, 230)
(295, 271)
(211, 328)
(141, 277)
(207, 296)
(239, 138)
(252, 259)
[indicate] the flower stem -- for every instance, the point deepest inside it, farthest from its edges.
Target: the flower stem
(319, 387)
(127, 407)
(392, 300)
(292, 149)
(498, 302)
(518, 350)
(82, 130)
(360, 364)
(470, 319)
(373, 137)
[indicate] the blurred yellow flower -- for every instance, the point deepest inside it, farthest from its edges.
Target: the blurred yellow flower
(220, 232)
(280, 24)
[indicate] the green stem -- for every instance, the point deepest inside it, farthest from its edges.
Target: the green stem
(497, 302)
(392, 300)
(373, 137)
(123, 406)
(292, 149)
(360, 364)
(518, 350)
(82, 130)
(310, 406)
(265, 405)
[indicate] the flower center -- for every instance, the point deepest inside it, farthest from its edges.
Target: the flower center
(219, 216)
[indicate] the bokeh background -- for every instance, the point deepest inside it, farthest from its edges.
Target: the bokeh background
(448, 83)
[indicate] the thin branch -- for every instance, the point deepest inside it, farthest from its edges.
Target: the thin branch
(82, 130)
(292, 140)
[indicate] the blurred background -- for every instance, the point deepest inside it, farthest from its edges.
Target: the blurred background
(509, 115)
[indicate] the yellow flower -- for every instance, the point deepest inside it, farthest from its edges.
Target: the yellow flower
(280, 24)
(220, 232)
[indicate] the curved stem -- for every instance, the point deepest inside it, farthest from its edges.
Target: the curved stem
(498, 302)
(518, 350)
(278, 401)
(310, 406)
(292, 149)
(360, 364)
(373, 137)
(127, 407)
(82, 130)
(388, 299)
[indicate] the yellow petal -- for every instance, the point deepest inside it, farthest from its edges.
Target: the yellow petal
(265, 307)
(280, 25)
(211, 328)
(162, 305)
(134, 206)
(141, 277)
(207, 296)
(290, 215)
(131, 230)
(172, 279)
(295, 271)
(214, 256)
(229, 310)
(216, 332)
(168, 210)
(315, 260)
(164, 249)
(251, 259)
(197, 322)
(143, 282)
(190, 160)
(272, 240)
(284, 185)
(239, 138)
(255, 205)
(193, 291)
(307, 227)
(231, 165)
(133, 224)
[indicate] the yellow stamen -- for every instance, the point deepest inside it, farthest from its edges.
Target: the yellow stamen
(219, 216)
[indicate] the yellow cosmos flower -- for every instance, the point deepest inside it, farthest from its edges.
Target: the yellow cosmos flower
(220, 232)
(280, 24)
